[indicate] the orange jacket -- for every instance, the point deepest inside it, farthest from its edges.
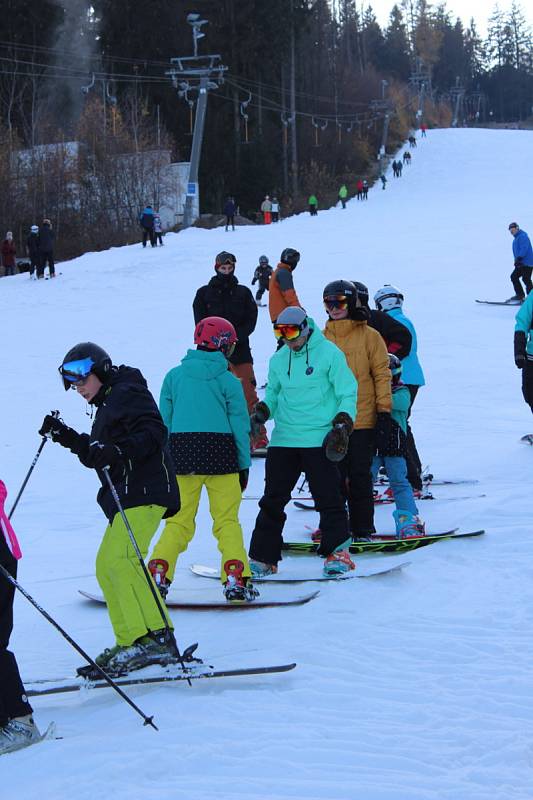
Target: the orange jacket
(368, 359)
(281, 291)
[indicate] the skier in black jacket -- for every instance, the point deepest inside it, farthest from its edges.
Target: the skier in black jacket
(46, 249)
(128, 437)
(397, 337)
(224, 297)
(32, 249)
(263, 273)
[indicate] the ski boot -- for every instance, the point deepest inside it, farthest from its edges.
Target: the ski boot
(237, 588)
(158, 569)
(408, 525)
(156, 647)
(18, 733)
(338, 562)
(515, 300)
(260, 570)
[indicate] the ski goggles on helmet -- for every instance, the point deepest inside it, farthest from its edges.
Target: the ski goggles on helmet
(76, 372)
(288, 332)
(336, 301)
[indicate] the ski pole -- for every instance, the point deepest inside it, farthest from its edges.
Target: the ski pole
(155, 593)
(70, 640)
(33, 463)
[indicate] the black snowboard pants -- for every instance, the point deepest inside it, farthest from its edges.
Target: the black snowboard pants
(357, 485)
(13, 701)
(414, 466)
(523, 273)
(527, 383)
(260, 292)
(282, 470)
(148, 234)
(46, 258)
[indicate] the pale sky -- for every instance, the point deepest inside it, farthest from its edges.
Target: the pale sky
(481, 10)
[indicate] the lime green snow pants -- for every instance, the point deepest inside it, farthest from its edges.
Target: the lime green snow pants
(225, 497)
(130, 603)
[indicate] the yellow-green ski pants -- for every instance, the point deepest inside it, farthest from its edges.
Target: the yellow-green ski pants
(224, 492)
(130, 603)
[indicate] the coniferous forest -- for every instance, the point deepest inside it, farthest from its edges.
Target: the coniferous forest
(308, 89)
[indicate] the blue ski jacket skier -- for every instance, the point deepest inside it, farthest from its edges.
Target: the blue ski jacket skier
(522, 248)
(524, 322)
(412, 374)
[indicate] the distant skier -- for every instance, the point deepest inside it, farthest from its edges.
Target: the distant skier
(17, 728)
(281, 287)
(275, 209)
(229, 210)
(407, 157)
(158, 230)
(128, 437)
(32, 250)
(146, 220)
(262, 275)
(204, 409)
(311, 395)
(391, 454)
(383, 180)
(399, 168)
(423, 129)
(266, 209)
(359, 188)
(367, 357)
(312, 203)
(9, 254)
(395, 169)
(343, 194)
(523, 347)
(46, 249)
(412, 141)
(365, 189)
(390, 300)
(523, 263)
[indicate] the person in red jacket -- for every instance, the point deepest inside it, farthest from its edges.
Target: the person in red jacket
(9, 252)
(359, 189)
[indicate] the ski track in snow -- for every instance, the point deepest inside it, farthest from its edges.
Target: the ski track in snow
(413, 686)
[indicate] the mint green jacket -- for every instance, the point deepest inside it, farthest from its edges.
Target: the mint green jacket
(524, 321)
(202, 396)
(306, 389)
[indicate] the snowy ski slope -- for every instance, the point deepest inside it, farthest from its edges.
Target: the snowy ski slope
(413, 686)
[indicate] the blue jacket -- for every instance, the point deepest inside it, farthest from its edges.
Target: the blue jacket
(146, 217)
(411, 370)
(306, 389)
(524, 321)
(522, 248)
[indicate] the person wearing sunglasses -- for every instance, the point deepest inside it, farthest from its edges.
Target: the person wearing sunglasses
(311, 395)
(225, 297)
(367, 357)
(523, 263)
(204, 409)
(128, 438)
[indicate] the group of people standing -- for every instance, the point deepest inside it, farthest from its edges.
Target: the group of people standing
(270, 209)
(39, 249)
(152, 227)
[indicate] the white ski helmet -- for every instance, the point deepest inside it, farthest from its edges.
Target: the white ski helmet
(388, 297)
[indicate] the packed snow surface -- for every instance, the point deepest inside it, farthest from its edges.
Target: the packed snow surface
(413, 686)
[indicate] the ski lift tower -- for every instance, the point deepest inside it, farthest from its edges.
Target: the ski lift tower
(385, 107)
(457, 94)
(200, 74)
(420, 83)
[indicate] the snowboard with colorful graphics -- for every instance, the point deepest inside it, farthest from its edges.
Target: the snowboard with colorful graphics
(386, 544)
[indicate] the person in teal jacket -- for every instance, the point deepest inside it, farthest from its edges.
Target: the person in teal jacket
(523, 347)
(311, 396)
(203, 406)
(390, 300)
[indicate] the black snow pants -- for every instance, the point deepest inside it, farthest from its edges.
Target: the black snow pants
(13, 701)
(263, 287)
(282, 470)
(414, 465)
(527, 383)
(357, 485)
(523, 273)
(46, 258)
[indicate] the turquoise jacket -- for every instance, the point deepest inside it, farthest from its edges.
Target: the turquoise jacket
(306, 389)
(401, 401)
(524, 321)
(202, 396)
(411, 370)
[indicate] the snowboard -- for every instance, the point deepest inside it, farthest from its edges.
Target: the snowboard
(386, 545)
(527, 439)
(259, 452)
(286, 577)
(218, 603)
(203, 671)
(384, 501)
(499, 302)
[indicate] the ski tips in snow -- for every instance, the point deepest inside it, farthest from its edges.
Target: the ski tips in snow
(527, 439)
(500, 302)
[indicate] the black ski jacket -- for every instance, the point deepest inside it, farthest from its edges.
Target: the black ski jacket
(225, 297)
(397, 337)
(46, 239)
(32, 243)
(127, 416)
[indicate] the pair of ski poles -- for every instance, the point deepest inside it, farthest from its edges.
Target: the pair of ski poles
(147, 720)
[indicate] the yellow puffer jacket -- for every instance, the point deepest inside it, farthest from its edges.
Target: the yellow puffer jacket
(368, 359)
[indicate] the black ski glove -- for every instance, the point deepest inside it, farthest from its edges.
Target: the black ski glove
(104, 455)
(258, 417)
(520, 356)
(518, 261)
(383, 430)
(336, 441)
(243, 478)
(59, 432)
